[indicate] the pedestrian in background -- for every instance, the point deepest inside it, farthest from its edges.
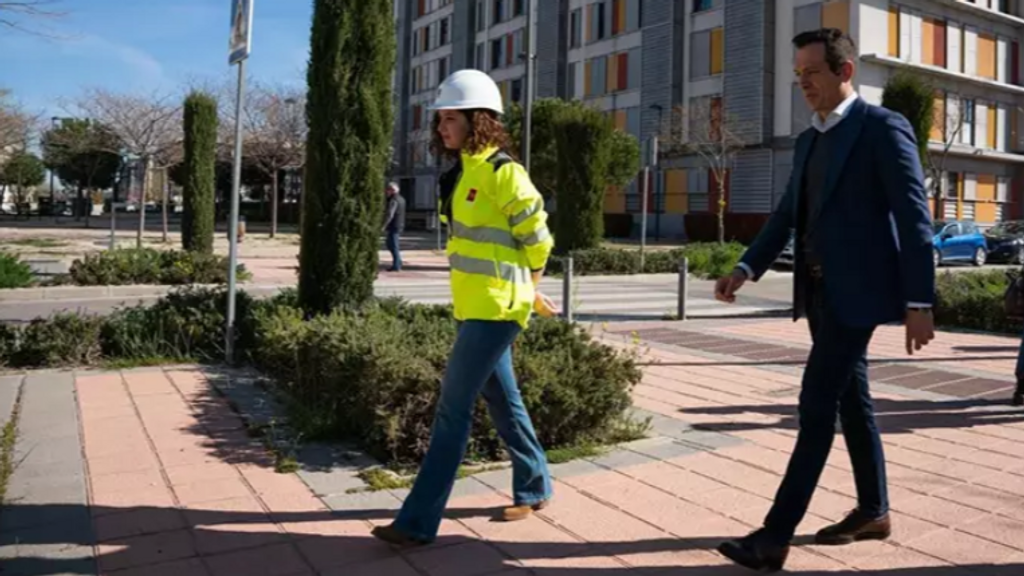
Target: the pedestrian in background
(498, 247)
(863, 258)
(394, 225)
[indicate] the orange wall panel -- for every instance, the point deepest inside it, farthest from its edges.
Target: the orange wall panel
(986, 56)
(993, 128)
(927, 41)
(986, 189)
(611, 74)
(836, 15)
(717, 51)
(938, 132)
(894, 31)
(675, 192)
(985, 213)
(614, 201)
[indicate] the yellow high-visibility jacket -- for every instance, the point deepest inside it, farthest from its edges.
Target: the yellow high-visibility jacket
(497, 235)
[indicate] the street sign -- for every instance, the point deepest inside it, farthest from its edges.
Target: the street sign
(240, 43)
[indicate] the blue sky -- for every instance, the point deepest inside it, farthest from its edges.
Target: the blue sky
(141, 46)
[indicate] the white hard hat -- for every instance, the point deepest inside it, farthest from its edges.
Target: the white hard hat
(468, 89)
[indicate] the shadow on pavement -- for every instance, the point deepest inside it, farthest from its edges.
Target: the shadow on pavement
(873, 361)
(894, 416)
(223, 539)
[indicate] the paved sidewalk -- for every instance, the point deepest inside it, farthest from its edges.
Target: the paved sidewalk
(151, 472)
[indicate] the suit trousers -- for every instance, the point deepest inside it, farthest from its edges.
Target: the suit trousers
(835, 381)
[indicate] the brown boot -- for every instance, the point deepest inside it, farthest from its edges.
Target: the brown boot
(854, 528)
(395, 537)
(522, 511)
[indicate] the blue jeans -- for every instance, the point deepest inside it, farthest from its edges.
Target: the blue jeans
(1019, 372)
(835, 380)
(481, 362)
(396, 252)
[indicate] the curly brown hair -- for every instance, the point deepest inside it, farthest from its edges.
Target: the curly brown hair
(485, 129)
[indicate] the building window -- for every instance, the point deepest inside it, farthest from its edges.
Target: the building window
(442, 69)
(497, 53)
(703, 5)
(518, 7)
(498, 11)
(481, 16)
(444, 32)
(481, 56)
(700, 54)
(625, 16)
(967, 130)
(517, 90)
(576, 29)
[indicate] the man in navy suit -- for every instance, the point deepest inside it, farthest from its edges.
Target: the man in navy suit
(863, 251)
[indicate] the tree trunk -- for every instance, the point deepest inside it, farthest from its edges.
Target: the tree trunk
(78, 204)
(164, 207)
(142, 202)
(273, 206)
(722, 204)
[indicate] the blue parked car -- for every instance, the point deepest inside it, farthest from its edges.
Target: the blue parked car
(959, 241)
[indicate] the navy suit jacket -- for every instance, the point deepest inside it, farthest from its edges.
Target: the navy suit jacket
(871, 227)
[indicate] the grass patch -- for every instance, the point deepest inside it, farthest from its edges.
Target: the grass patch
(36, 242)
(8, 437)
(145, 362)
(570, 453)
(285, 464)
(378, 479)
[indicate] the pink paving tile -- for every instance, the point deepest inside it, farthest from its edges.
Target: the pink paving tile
(148, 383)
(1011, 483)
(145, 550)
(128, 446)
(998, 529)
(189, 567)
(211, 490)
(137, 460)
(801, 560)
(961, 548)
(982, 498)
(102, 411)
(205, 472)
(139, 522)
(993, 460)
(279, 560)
(325, 525)
(594, 521)
(390, 567)
(734, 503)
(530, 538)
(672, 479)
(906, 528)
(329, 552)
(245, 510)
(107, 486)
(937, 511)
(219, 538)
(854, 553)
(469, 559)
(897, 558)
(583, 565)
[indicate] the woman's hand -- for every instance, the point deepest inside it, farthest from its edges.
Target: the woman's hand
(545, 306)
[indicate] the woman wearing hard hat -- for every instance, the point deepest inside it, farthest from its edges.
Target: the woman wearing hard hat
(498, 246)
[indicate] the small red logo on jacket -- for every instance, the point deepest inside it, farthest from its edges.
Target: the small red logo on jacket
(471, 196)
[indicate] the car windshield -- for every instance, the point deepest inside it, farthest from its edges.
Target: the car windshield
(1015, 228)
(938, 227)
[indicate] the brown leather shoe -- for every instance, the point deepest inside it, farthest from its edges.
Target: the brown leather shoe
(755, 552)
(523, 511)
(396, 537)
(854, 528)
(1018, 396)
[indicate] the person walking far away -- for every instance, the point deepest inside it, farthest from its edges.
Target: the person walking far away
(498, 248)
(394, 225)
(857, 201)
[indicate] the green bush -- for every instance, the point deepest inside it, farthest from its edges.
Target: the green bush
(8, 344)
(973, 301)
(13, 272)
(200, 147)
(150, 266)
(706, 260)
(63, 340)
(374, 376)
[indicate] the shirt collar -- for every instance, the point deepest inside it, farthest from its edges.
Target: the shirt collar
(481, 156)
(835, 116)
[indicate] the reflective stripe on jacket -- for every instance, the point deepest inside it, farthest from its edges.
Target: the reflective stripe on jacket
(498, 234)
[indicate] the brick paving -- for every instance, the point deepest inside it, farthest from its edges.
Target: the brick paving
(152, 472)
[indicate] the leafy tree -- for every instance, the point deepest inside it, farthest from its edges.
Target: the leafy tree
(625, 155)
(914, 97)
(22, 170)
(350, 118)
(15, 122)
(276, 133)
(199, 167)
(81, 153)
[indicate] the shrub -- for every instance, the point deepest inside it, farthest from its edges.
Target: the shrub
(8, 344)
(64, 339)
(150, 266)
(583, 147)
(200, 125)
(14, 273)
(974, 301)
(707, 260)
(354, 375)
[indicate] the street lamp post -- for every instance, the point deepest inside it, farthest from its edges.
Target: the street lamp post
(529, 84)
(657, 210)
(53, 126)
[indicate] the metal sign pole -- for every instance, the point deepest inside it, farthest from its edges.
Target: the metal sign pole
(650, 159)
(240, 45)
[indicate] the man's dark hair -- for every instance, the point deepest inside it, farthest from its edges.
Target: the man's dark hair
(839, 47)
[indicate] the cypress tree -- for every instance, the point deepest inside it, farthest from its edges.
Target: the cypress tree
(584, 142)
(913, 96)
(349, 113)
(200, 125)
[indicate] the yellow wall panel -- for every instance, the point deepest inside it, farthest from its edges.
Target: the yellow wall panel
(836, 15)
(894, 31)
(938, 132)
(960, 197)
(985, 213)
(614, 201)
(928, 41)
(611, 78)
(675, 192)
(620, 120)
(717, 51)
(993, 128)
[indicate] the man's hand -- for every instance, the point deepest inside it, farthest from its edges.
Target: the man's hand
(545, 306)
(920, 329)
(726, 287)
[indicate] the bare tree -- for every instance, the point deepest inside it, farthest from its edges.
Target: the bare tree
(274, 120)
(705, 130)
(16, 125)
(950, 120)
(16, 14)
(148, 127)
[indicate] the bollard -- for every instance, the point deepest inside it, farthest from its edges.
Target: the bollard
(113, 225)
(684, 274)
(567, 289)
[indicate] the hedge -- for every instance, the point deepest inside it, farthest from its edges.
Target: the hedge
(14, 273)
(707, 260)
(370, 375)
(974, 301)
(149, 266)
